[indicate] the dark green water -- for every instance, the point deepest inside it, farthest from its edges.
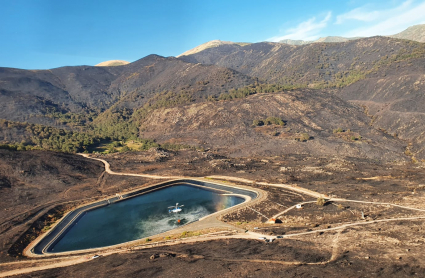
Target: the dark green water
(142, 216)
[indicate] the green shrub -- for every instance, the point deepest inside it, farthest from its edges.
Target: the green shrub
(274, 121)
(321, 201)
(304, 137)
(9, 147)
(275, 133)
(257, 123)
(338, 130)
(125, 149)
(269, 121)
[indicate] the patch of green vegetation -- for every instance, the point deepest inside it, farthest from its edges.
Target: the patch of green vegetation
(303, 137)
(114, 124)
(274, 121)
(269, 121)
(162, 100)
(321, 201)
(48, 138)
(70, 119)
(257, 122)
(175, 147)
(254, 89)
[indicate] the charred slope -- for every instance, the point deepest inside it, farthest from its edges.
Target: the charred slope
(384, 75)
(314, 65)
(395, 104)
(228, 125)
(25, 94)
(154, 74)
(37, 177)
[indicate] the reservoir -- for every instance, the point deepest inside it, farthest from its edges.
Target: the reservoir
(141, 216)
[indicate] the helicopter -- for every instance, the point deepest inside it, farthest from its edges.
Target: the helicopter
(175, 208)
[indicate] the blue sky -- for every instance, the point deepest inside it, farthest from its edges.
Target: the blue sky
(41, 34)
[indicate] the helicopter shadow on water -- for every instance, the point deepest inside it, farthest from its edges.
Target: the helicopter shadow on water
(180, 216)
(168, 221)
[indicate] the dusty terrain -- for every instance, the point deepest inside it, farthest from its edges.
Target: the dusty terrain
(369, 228)
(345, 143)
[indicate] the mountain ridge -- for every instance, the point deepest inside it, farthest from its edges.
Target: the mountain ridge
(415, 33)
(118, 102)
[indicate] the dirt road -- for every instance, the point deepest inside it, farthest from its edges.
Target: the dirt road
(249, 235)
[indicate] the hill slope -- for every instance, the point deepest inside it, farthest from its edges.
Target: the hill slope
(414, 33)
(27, 95)
(209, 44)
(374, 72)
(313, 65)
(322, 39)
(227, 125)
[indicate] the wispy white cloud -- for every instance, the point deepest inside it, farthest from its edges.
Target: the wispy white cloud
(363, 21)
(307, 30)
(361, 14)
(384, 22)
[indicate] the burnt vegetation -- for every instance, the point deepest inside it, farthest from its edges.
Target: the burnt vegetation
(342, 119)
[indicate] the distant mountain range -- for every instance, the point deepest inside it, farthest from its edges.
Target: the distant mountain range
(371, 86)
(414, 33)
(209, 44)
(323, 39)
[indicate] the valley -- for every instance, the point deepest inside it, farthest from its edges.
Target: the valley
(329, 134)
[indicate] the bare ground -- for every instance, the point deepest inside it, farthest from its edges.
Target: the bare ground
(391, 249)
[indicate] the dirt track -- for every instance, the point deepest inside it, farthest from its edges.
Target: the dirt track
(250, 235)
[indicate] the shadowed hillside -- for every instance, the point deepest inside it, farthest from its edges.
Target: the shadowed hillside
(27, 95)
(382, 76)
(314, 123)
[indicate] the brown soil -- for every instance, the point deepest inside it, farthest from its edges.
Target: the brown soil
(304, 257)
(371, 250)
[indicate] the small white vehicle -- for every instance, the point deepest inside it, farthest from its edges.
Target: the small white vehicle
(95, 257)
(175, 208)
(262, 238)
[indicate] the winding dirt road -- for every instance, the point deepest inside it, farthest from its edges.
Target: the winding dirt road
(109, 171)
(63, 262)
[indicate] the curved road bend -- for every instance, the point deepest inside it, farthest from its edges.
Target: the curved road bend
(236, 179)
(248, 235)
(109, 171)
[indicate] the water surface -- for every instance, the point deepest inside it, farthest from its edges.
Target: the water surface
(142, 216)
